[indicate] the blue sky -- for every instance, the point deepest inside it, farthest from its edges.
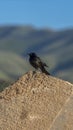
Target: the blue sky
(40, 13)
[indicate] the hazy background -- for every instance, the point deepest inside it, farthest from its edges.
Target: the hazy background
(42, 26)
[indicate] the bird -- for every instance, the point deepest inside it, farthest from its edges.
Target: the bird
(37, 63)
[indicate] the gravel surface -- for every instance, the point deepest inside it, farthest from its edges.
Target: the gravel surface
(37, 102)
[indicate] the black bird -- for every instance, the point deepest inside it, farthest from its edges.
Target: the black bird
(36, 62)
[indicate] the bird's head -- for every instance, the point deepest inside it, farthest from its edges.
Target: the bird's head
(32, 54)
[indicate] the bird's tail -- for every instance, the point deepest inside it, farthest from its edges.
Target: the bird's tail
(44, 70)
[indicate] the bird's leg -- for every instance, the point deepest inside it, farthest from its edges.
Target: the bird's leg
(34, 71)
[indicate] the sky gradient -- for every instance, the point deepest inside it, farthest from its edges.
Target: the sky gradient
(55, 14)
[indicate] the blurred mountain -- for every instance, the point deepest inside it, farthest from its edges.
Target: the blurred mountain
(54, 47)
(4, 84)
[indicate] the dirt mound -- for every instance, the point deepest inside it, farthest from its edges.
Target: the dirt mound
(35, 102)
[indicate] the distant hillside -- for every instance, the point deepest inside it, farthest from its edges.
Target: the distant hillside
(4, 84)
(54, 47)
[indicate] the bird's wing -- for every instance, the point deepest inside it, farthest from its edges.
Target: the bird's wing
(40, 61)
(45, 64)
